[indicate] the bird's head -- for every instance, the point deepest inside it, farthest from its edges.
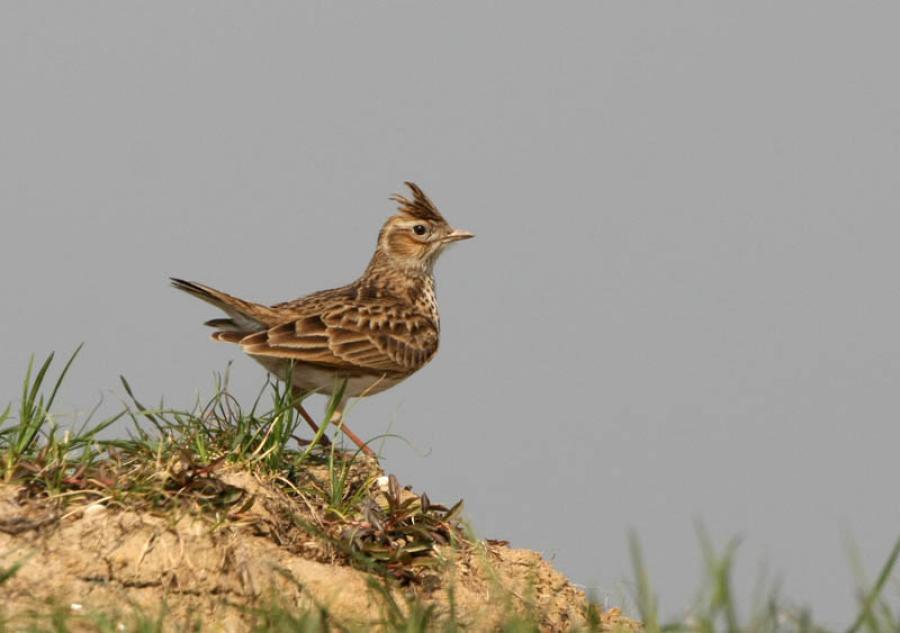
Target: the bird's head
(417, 234)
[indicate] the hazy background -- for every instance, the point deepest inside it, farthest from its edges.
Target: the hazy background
(682, 302)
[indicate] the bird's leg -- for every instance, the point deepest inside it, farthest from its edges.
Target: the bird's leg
(337, 419)
(298, 396)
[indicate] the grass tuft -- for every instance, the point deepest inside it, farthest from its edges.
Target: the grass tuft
(172, 460)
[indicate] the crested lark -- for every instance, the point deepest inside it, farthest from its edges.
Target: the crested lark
(372, 333)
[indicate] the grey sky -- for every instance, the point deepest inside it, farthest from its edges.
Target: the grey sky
(682, 302)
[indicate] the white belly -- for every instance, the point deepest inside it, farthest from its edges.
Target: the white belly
(318, 380)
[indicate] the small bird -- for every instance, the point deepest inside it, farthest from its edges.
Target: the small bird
(366, 336)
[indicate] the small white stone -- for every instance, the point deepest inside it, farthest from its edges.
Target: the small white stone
(383, 482)
(76, 606)
(94, 508)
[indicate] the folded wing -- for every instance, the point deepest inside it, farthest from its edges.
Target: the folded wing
(376, 336)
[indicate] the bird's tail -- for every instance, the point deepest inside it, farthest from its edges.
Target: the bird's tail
(245, 316)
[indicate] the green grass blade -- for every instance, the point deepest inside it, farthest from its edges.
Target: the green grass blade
(28, 431)
(6, 574)
(646, 601)
(7, 431)
(39, 379)
(90, 434)
(33, 408)
(62, 375)
(23, 401)
(865, 612)
(141, 408)
(336, 398)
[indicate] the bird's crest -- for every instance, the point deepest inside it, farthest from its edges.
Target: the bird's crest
(420, 206)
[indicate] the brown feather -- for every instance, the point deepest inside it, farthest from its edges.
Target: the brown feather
(246, 315)
(420, 206)
(224, 324)
(226, 336)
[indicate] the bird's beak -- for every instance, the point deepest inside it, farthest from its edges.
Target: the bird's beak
(457, 235)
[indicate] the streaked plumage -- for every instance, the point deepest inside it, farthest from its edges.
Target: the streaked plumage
(374, 332)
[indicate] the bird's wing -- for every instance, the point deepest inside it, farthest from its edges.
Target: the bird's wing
(369, 335)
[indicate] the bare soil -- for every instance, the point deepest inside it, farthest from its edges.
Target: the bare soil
(96, 556)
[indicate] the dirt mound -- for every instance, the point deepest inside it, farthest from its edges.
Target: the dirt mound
(217, 567)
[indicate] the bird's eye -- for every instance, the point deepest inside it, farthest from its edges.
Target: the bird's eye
(420, 229)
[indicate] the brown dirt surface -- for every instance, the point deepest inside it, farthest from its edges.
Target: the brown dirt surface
(95, 555)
